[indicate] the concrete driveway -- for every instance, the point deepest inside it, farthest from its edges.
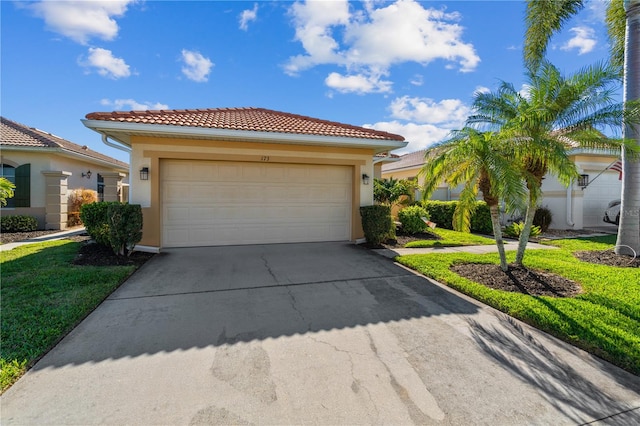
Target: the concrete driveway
(325, 333)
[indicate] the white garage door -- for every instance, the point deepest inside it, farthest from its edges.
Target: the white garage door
(227, 203)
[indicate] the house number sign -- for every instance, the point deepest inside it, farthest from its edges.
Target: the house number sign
(264, 158)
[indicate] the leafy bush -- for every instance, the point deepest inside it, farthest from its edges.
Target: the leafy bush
(441, 212)
(377, 223)
(18, 223)
(411, 219)
(77, 199)
(515, 229)
(542, 218)
(125, 227)
(113, 224)
(481, 219)
(94, 217)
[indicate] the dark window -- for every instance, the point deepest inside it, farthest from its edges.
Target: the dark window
(100, 187)
(23, 186)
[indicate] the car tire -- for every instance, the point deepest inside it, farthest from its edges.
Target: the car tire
(618, 219)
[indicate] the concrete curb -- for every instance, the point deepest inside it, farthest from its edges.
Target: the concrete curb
(51, 237)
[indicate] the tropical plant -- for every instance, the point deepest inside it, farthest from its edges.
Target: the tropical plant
(544, 18)
(6, 190)
(480, 162)
(390, 191)
(516, 228)
(555, 115)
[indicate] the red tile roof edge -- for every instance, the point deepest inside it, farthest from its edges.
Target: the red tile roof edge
(53, 141)
(123, 115)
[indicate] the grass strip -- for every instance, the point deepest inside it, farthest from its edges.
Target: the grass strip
(451, 238)
(43, 297)
(603, 320)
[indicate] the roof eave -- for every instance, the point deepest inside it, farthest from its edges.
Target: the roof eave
(67, 153)
(122, 133)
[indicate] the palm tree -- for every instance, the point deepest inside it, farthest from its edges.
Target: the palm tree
(544, 18)
(556, 114)
(482, 163)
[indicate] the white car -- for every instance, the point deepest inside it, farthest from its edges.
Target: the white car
(612, 213)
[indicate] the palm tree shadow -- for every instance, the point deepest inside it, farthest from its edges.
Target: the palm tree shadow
(557, 380)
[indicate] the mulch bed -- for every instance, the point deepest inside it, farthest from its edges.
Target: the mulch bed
(608, 257)
(518, 279)
(93, 254)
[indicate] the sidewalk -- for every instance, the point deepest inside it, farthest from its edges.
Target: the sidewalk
(51, 237)
(492, 248)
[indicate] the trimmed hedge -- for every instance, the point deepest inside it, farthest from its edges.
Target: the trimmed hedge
(18, 223)
(441, 212)
(113, 224)
(411, 219)
(377, 223)
(94, 217)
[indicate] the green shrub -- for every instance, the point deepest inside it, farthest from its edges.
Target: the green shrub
(94, 217)
(515, 229)
(481, 219)
(441, 213)
(377, 223)
(18, 223)
(542, 218)
(125, 227)
(412, 221)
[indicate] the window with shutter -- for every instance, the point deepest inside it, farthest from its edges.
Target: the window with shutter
(22, 197)
(9, 173)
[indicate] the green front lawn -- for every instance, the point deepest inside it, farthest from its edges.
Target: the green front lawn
(43, 297)
(604, 319)
(451, 238)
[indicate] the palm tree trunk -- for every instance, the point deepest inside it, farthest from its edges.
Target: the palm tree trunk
(497, 233)
(628, 241)
(526, 232)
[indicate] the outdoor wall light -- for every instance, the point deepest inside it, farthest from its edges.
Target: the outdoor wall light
(144, 173)
(87, 175)
(365, 179)
(583, 181)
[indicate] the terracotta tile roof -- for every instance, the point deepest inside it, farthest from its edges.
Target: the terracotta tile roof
(412, 159)
(19, 135)
(245, 119)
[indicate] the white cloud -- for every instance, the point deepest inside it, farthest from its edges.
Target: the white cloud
(417, 80)
(482, 89)
(449, 113)
(81, 20)
(247, 16)
(131, 104)
(196, 67)
(106, 64)
(419, 136)
(358, 83)
(584, 40)
(375, 39)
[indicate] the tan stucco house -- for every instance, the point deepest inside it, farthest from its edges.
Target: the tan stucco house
(580, 205)
(44, 167)
(245, 175)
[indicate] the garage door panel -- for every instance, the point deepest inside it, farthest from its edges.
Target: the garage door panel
(223, 203)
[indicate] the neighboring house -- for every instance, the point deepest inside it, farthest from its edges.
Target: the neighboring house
(575, 207)
(45, 167)
(245, 175)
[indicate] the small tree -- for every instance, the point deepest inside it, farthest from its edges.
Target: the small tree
(77, 199)
(125, 227)
(390, 191)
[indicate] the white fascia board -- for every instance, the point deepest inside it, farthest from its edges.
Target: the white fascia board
(595, 151)
(111, 127)
(65, 153)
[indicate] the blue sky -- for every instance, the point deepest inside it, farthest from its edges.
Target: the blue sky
(404, 66)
